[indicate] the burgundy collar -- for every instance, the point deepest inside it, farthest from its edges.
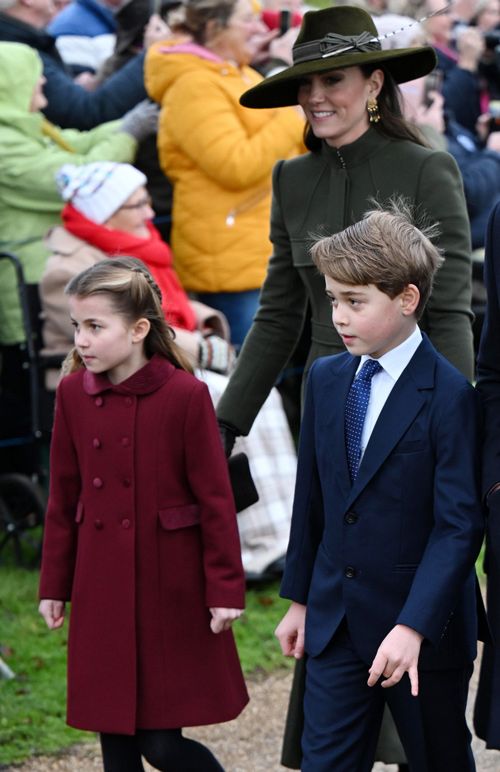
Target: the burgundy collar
(149, 378)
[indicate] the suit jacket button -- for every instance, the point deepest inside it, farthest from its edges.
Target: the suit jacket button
(98, 402)
(351, 518)
(350, 572)
(97, 482)
(125, 442)
(126, 523)
(129, 401)
(96, 442)
(126, 483)
(98, 525)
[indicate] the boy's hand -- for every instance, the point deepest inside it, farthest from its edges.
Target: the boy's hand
(290, 631)
(53, 613)
(223, 618)
(397, 654)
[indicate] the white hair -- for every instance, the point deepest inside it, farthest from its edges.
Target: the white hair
(6, 4)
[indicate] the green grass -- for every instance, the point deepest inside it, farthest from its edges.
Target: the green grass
(32, 706)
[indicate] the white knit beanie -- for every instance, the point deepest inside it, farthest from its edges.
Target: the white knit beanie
(98, 189)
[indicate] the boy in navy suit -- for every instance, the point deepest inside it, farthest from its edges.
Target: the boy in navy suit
(387, 521)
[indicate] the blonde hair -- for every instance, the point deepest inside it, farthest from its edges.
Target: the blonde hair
(134, 295)
(193, 16)
(386, 249)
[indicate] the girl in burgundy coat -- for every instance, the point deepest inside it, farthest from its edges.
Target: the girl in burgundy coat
(140, 532)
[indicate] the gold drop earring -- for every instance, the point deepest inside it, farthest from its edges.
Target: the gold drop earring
(372, 107)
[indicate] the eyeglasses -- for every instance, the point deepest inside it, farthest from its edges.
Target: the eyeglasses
(146, 201)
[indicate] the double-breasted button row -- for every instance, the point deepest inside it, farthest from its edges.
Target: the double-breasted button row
(99, 401)
(98, 483)
(99, 525)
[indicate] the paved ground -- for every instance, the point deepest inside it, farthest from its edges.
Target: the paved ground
(250, 744)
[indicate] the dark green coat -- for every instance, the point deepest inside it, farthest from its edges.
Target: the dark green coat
(318, 194)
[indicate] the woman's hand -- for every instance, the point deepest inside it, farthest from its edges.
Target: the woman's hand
(223, 618)
(53, 613)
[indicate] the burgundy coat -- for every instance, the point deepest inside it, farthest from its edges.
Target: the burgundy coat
(141, 536)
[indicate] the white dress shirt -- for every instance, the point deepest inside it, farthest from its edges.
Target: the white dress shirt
(383, 382)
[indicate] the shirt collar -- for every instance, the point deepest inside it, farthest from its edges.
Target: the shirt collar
(395, 360)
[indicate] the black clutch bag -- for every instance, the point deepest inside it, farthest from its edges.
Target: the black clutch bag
(244, 490)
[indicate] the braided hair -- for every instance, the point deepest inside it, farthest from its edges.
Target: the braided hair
(134, 295)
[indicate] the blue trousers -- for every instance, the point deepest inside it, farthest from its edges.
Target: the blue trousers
(239, 308)
(343, 715)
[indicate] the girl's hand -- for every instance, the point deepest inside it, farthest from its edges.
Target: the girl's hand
(53, 613)
(223, 618)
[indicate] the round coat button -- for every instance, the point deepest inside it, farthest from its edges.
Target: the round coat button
(126, 483)
(125, 442)
(126, 523)
(97, 482)
(98, 525)
(98, 402)
(350, 572)
(351, 518)
(96, 442)
(128, 401)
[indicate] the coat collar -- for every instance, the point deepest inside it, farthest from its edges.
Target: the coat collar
(356, 152)
(146, 380)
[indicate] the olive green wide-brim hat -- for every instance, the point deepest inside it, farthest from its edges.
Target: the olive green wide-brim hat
(335, 38)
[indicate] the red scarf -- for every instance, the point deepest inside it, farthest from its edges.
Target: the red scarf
(153, 252)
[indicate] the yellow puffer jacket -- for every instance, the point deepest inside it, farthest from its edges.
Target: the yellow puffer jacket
(219, 157)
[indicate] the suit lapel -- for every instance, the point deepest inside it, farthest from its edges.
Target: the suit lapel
(338, 389)
(401, 408)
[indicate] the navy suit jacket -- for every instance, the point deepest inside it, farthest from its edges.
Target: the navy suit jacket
(399, 545)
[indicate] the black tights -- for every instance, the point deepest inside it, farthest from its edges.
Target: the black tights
(165, 749)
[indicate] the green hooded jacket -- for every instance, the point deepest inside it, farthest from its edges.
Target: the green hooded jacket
(29, 200)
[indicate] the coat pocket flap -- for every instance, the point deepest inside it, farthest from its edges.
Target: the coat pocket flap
(179, 517)
(79, 512)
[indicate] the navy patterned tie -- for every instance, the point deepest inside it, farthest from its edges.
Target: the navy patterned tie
(355, 411)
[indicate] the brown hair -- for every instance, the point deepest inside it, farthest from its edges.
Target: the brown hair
(134, 295)
(386, 249)
(392, 124)
(194, 15)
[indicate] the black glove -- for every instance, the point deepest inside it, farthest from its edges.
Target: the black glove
(228, 436)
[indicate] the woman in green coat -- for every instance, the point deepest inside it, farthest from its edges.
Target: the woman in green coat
(360, 149)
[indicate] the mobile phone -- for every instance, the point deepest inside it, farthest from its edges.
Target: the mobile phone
(433, 82)
(281, 20)
(285, 20)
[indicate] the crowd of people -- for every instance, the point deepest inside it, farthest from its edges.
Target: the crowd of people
(165, 174)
